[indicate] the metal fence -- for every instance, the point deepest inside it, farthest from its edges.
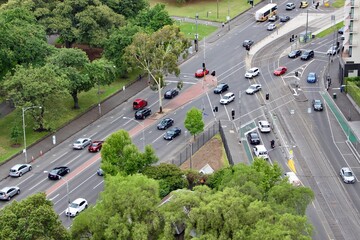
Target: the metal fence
(225, 144)
(194, 145)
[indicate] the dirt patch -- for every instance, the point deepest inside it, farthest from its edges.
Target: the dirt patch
(211, 153)
(91, 52)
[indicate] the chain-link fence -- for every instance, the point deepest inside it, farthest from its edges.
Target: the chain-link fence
(225, 144)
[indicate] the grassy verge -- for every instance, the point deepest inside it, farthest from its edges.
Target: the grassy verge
(338, 3)
(189, 29)
(330, 30)
(354, 91)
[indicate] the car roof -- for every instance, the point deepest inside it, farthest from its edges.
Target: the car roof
(229, 94)
(78, 200)
(17, 165)
(255, 85)
(79, 139)
(263, 122)
(260, 147)
(253, 68)
(4, 189)
(346, 169)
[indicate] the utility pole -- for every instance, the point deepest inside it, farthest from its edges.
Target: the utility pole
(217, 6)
(196, 34)
(307, 23)
(228, 16)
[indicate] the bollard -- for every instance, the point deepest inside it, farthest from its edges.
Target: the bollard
(334, 95)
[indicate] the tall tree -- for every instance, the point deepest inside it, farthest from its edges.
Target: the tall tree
(31, 218)
(120, 155)
(157, 54)
(127, 209)
(101, 72)
(153, 18)
(72, 63)
(41, 86)
(127, 8)
(194, 122)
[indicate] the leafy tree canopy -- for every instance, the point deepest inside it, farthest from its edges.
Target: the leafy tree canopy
(194, 121)
(127, 8)
(153, 18)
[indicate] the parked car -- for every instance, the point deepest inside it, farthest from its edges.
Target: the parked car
(172, 133)
(284, 18)
(248, 43)
(95, 146)
(100, 172)
(81, 143)
(311, 78)
(227, 98)
(76, 207)
(169, 94)
(273, 18)
(165, 123)
(200, 73)
(317, 105)
(347, 175)
(58, 172)
(222, 87)
(261, 152)
(142, 113)
(252, 72)
(290, 6)
(19, 169)
(253, 138)
(333, 50)
(294, 53)
(304, 4)
(280, 71)
(341, 30)
(253, 88)
(264, 126)
(139, 104)
(307, 54)
(271, 27)
(8, 192)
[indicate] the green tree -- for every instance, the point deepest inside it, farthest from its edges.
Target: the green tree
(127, 209)
(16, 134)
(170, 177)
(72, 62)
(153, 18)
(194, 121)
(127, 8)
(120, 155)
(37, 86)
(31, 218)
(157, 54)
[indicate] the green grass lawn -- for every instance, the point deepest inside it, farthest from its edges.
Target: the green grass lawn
(189, 29)
(330, 30)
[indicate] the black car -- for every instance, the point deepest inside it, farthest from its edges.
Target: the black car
(172, 133)
(143, 113)
(248, 43)
(169, 94)
(294, 53)
(58, 172)
(222, 87)
(308, 54)
(165, 123)
(284, 18)
(253, 138)
(317, 105)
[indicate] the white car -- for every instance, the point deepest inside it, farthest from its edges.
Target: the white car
(252, 72)
(227, 98)
(264, 126)
(81, 143)
(271, 27)
(347, 175)
(253, 88)
(261, 152)
(290, 6)
(19, 169)
(76, 207)
(333, 50)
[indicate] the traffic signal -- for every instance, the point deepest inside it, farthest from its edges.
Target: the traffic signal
(233, 114)
(267, 96)
(296, 73)
(213, 73)
(337, 44)
(204, 68)
(291, 39)
(216, 109)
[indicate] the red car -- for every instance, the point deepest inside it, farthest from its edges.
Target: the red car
(200, 73)
(139, 104)
(280, 71)
(95, 146)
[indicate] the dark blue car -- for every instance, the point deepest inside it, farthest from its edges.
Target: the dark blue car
(311, 78)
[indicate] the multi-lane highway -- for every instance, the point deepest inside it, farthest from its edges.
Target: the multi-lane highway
(316, 139)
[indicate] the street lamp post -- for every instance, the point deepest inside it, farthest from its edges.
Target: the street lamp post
(99, 102)
(196, 34)
(143, 127)
(24, 109)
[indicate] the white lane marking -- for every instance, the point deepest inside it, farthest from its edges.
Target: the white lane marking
(72, 160)
(59, 157)
(98, 184)
(51, 199)
(37, 184)
(117, 118)
(25, 180)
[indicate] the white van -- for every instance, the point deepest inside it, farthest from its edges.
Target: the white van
(260, 151)
(293, 179)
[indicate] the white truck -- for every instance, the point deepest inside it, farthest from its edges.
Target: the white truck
(293, 179)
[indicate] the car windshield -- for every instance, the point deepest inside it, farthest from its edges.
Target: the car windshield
(54, 171)
(252, 88)
(311, 75)
(317, 102)
(264, 125)
(226, 96)
(94, 144)
(348, 174)
(170, 132)
(78, 142)
(74, 205)
(163, 122)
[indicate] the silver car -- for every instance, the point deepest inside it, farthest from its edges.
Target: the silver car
(8, 192)
(81, 143)
(347, 175)
(19, 169)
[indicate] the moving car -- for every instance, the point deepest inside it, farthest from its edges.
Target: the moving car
(227, 98)
(293, 179)
(307, 54)
(19, 169)
(200, 73)
(264, 126)
(280, 71)
(294, 53)
(222, 87)
(333, 50)
(165, 123)
(253, 138)
(252, 72)
(273, 18)
(248, 43)
(271, 27)
(304, 4)
(81, 143)
(142, 113)
(169, 94)
(95, 146)
(172, 133)
(139, 104)
(290, 6)
(58, 172)
(76, 207)
(311, 77)
(341, 30)
(261, 152)
(100, 172)
(8, 192)
(253, 88)
(317, 105)
(347, 175)
(284, 18)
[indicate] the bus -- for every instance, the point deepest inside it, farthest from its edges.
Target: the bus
(265, 12)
